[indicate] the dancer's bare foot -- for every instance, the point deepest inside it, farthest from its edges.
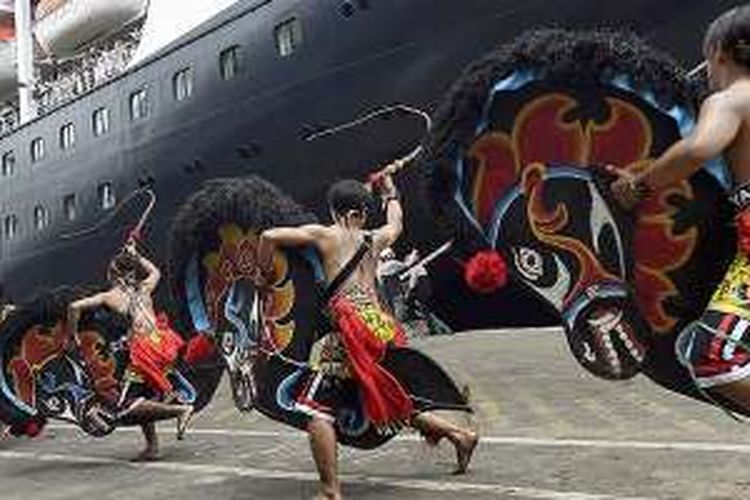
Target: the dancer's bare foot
(465, 445)
(183, 421)
(149, 454)
(328, 494)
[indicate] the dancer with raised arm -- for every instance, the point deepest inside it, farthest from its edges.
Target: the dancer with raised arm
(362, 329)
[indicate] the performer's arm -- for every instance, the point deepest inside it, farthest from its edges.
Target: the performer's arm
(310, 234)
(394, 215)
(153, 275)
(717, 127)
(75, 308)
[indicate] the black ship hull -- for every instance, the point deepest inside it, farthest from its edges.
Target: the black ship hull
(383, 52)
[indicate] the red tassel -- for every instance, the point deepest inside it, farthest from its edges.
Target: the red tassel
(743, 232)
(33, 428)
(376, 181)
(486, 272)
(199, 348)
(30, 428)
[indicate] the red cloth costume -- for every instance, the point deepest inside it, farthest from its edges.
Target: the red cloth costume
(365, 330)
(152, 354)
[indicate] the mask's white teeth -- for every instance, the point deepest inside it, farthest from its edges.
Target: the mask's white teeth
(607, 328)
(611, 354)
(588, 352)
(634, 347)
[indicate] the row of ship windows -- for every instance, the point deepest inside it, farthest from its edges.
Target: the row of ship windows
(288, 38)
(42, 216)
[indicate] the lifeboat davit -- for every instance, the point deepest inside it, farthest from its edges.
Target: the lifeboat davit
(8, 79)
(63, 27)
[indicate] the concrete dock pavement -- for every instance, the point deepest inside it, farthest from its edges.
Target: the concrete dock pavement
(550, 431)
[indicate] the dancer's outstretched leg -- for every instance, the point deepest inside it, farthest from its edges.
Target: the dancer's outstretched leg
(434, 428)
(323, 447)
(150, 412)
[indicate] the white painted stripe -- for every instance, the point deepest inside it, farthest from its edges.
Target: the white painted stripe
(275, 474)
(312, 412)
(731, 344)
(736, 374)
(693, 446)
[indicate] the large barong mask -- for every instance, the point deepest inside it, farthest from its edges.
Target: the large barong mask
(521, 172)
(270, 338)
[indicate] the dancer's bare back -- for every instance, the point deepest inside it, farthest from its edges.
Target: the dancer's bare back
(131, 300)
(339, 242)
(338, 245)
(135, 303)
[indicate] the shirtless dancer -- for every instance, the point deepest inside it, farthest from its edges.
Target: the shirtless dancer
(362, 325)
(152, 343)
(723, 128)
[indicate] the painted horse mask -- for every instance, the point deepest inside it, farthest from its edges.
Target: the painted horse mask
(514, 155)
(567, 245)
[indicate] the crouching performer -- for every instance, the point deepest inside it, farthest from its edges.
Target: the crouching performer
(153, 345)
(362, 330)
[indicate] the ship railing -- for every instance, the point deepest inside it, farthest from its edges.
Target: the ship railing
(62, 81)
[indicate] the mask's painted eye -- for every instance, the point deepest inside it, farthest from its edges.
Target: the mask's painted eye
(552, 281)
(529, 263)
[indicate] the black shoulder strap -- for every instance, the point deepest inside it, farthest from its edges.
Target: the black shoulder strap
(348, 268)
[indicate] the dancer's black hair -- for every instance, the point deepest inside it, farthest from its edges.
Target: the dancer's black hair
(730, 33)
(347, 195)
(124, 266)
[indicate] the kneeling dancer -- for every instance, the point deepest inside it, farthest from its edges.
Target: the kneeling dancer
(153, 345)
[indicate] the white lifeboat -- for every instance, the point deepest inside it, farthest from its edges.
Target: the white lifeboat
(63, 27)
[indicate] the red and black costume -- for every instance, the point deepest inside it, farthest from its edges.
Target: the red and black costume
(715, 347)
(361, 333)
(153, 354)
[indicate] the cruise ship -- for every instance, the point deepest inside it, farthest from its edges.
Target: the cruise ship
(131, 93)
